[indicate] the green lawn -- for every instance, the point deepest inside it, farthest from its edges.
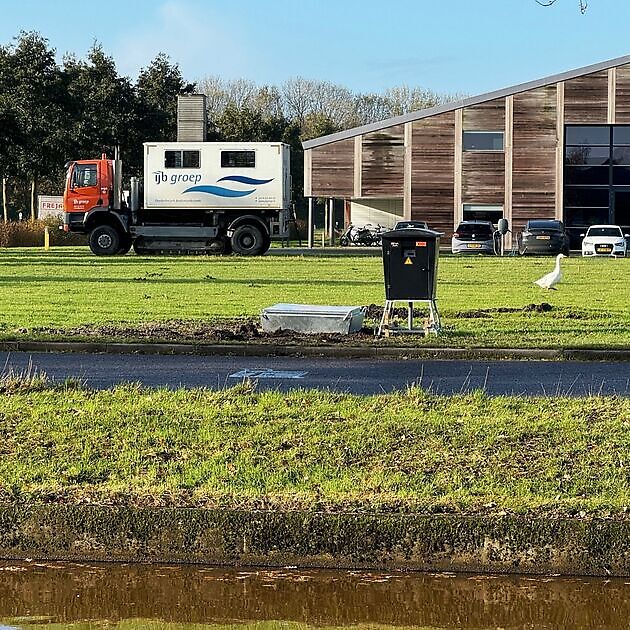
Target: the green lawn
(315, 450)
(481, 299)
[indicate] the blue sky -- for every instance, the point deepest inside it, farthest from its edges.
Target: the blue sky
(467, 46)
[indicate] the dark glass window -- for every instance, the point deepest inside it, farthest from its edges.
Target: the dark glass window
(85, 175)
(622, 207)
(182, 159)
(581, 217)
(238, 159)
(483, 141)
(588, 135)
(621, 155)
(191, 159)
(621, 176)
(474, 212)
(172, 159)
(587, 155)
(587, 175)
(621, 134)
(586, 197)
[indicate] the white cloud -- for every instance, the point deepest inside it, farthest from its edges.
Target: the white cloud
(199, 40)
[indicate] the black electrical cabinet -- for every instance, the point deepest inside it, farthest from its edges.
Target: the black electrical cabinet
(410, 263)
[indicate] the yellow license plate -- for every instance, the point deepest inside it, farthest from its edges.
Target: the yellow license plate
(474, 245)
(543, 238)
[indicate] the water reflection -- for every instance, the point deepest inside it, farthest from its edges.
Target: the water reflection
(65, 595)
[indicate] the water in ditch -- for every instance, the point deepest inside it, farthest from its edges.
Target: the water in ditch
(55, 595)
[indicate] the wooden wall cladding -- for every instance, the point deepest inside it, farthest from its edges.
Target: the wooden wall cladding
(333, 169)
(534, 156)
(483, 177)
(382, 162)
(622, 99)
(432, 171)
(586, 99)
(488, 116)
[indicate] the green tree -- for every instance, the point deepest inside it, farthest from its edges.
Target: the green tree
(102, 107)
(37, 97)
(157, 89)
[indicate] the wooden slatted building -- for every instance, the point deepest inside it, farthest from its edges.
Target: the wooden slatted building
(558, 147)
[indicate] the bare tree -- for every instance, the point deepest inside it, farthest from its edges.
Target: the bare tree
(548, 3)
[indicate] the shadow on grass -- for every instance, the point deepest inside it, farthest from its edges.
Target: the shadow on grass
(249, 282)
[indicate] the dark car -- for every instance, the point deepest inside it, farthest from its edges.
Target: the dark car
(543, 237)
(474, 237)
(404, 225)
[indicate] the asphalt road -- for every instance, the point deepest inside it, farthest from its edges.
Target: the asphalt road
(361, 376)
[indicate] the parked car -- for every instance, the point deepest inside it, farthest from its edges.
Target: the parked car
(405, 225)
(474, 237)
(543, 236)
(604, 240)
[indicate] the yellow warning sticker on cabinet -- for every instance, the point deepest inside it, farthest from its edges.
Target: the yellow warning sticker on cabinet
(408, 261)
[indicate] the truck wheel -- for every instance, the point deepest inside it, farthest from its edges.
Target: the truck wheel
(104, 240)
(125, 246)
(248, 240)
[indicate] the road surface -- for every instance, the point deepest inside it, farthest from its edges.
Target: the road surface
(361, 376)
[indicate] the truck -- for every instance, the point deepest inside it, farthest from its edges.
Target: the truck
(195, 197)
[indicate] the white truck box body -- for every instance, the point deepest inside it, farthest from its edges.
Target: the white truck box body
(217, 175)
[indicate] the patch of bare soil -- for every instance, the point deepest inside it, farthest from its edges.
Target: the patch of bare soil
(485, 313)
(175, 331)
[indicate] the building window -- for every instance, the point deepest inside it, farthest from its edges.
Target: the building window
(182, 159)
(483, 141)
(238, 159)
(477, 212)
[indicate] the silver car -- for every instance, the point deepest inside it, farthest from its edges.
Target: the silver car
(473, 237)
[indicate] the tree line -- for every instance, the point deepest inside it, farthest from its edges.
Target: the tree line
(52, 112)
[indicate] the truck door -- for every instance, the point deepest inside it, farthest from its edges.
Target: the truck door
(83, 188)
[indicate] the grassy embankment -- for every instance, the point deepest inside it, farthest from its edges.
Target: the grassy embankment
(68, 293)
(238, 449)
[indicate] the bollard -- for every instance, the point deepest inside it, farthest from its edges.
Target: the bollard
(46, 239)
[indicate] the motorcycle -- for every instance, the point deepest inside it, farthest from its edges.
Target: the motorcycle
(368, 235)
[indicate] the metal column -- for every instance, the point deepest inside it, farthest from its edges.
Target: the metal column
(331, 222)
(310, 226)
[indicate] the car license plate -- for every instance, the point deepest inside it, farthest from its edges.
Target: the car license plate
(603, 249)
(543, 238)
(474, 245)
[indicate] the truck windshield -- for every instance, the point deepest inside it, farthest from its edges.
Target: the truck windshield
(84, 175)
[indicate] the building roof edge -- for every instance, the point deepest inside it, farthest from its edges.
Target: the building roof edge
(467, 102)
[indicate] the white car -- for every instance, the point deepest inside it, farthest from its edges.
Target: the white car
(604, 240)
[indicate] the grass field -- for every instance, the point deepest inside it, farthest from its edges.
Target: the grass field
(315, 450)
(483, 301)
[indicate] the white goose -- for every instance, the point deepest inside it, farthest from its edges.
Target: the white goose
(549, 280)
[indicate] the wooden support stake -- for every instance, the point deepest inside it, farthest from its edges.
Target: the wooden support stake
(4, 200)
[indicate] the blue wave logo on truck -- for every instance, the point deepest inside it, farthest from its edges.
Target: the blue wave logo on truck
(221, 191)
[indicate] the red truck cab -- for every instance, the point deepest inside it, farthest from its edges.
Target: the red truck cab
(90, 208)
(89, 184)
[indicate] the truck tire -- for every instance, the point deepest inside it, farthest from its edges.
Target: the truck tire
(125, 245)
(104, 240)
(248, 240)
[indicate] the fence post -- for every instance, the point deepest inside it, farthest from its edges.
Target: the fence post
(46, 238)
